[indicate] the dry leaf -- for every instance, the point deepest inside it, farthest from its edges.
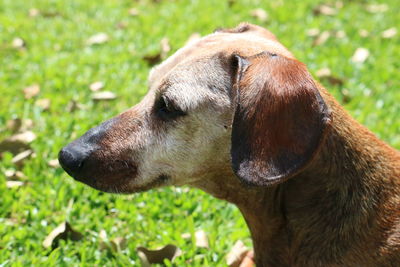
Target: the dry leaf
(201, 239)
(259, 14)
(389, 33)
(27, 124)
(377, 8)
(165, 47)
(54, 163)
(96, 86)
(338, 4)
(148, 257)
(192, 38)
(186, 235)
(313, 32)
(99, 38)
(18, 43)
(21, 157)
(325, 75)
(33, 12)
(340, 34)
(323, 72)
(14, 175)
(248, 260)
(118, 243)
(324, 10)
(31, 91)
(63, 231)
(322, 38)
(363, 33)
(26, 137)
(14, 184)
(152, 59)
(43, 103)
(106, 95)
(17, 143)
(360, 55)
(74, 105)
(346, 97)
(133, 12)
(236, 254)
(14, 125)
(122, 25)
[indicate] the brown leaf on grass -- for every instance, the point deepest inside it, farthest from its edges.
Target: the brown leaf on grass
(43, 103)
(192, 38)
(389, 33)
(346, 97)
(99, 38)
(33, 12)
(17, 143)
(31, 91)
(236, 254)
(133, 12)
(118, 243)
(96, 86)
(122, 25)
(339, 4)
(62, 232)
(74, 105)
(323, 72)
(201, 239)
(363, 33)
(14, 175)
(21, 157)
(360, 55)
(186, 235)
(260, 14)
(248, 260)
(377, 8)
(18, 43)
(155, 58)
(165, 47)
(324, 10)
(152, 59)
(14, 184)
(148, 257)
(322, 38)
(14, 125)
(340, 34)
(313, 32)
(325, 75)
(105, 95)
(54, 163)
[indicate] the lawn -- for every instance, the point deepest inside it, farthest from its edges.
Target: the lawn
(45, 45)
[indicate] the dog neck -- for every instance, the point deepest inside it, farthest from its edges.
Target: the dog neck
(336, 202)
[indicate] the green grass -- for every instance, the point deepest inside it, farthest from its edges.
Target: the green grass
(57, 58)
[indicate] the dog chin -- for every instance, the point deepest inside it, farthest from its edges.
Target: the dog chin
(127, 188)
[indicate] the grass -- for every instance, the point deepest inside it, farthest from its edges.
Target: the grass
(57, 58)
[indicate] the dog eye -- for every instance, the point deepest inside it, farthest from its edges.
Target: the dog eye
(166, 109)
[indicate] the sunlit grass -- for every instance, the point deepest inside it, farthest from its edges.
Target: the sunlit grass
(57, 58)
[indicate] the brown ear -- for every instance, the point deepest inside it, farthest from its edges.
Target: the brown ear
(279, 121)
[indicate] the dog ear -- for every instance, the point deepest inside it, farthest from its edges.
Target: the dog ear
(279, 120)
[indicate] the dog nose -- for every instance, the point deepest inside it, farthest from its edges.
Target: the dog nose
(72, 158)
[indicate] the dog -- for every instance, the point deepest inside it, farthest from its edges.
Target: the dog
(236, 115)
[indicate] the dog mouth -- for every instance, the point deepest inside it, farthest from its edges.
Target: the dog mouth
(123, 186)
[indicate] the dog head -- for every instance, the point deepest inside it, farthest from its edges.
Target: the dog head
(233, 102)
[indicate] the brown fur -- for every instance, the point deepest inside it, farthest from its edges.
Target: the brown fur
(320, 189)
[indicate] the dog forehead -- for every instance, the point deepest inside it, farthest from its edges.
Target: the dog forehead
(244, 43)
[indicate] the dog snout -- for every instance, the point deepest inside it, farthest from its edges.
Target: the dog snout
(75, 157)
(72, 158)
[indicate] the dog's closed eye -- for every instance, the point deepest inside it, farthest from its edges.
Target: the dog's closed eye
(166, 109)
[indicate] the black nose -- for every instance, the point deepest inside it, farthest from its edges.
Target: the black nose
(72, 158)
